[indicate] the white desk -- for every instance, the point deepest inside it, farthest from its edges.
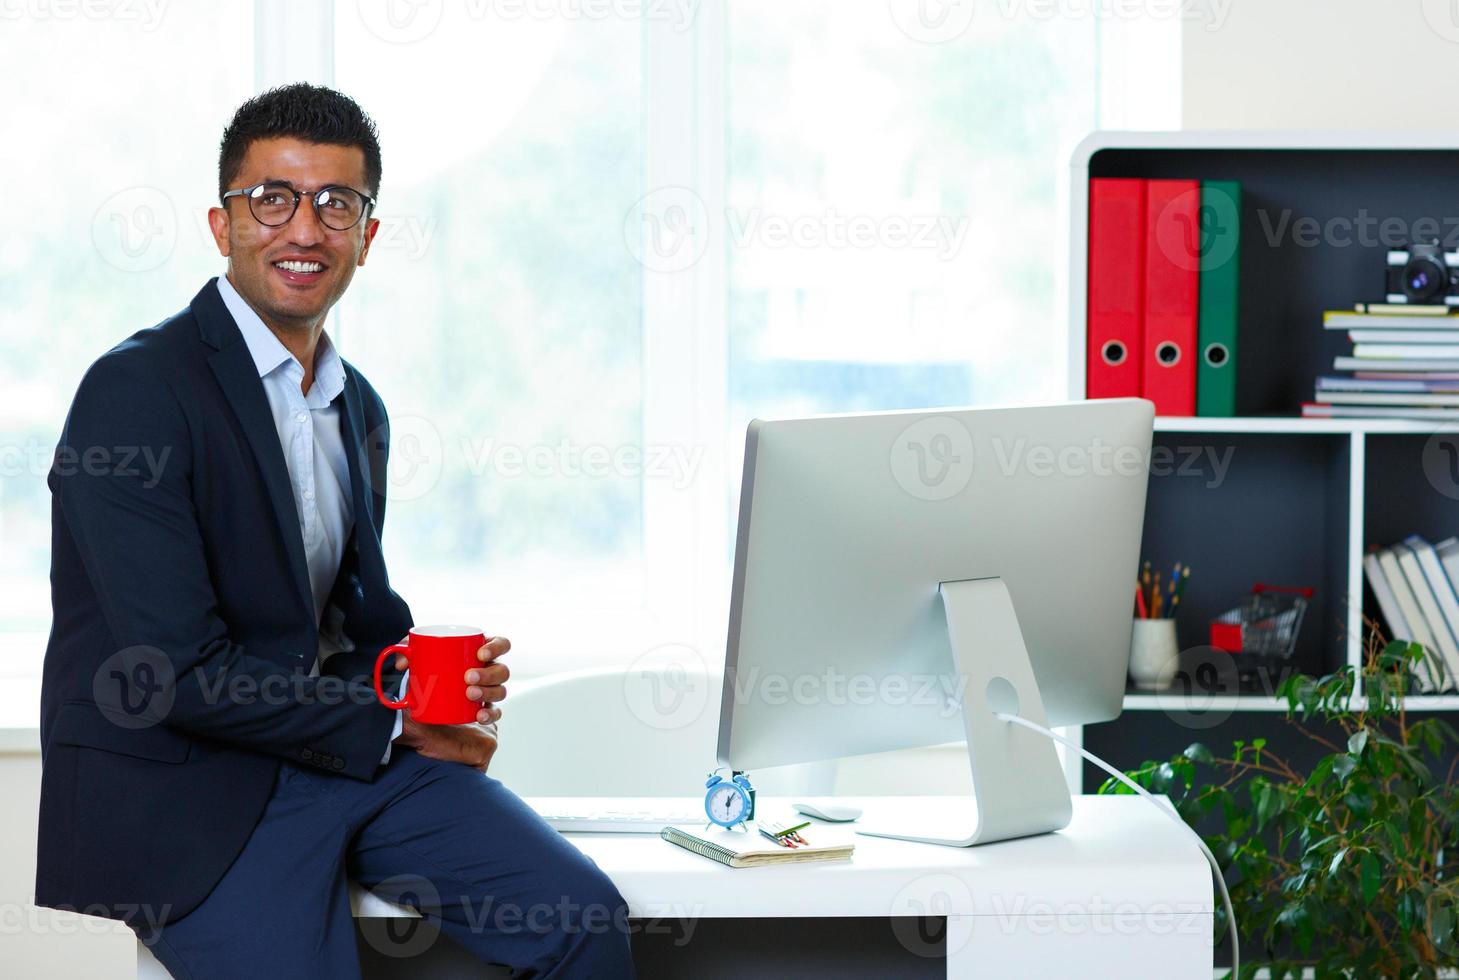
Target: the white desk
(1120, 893)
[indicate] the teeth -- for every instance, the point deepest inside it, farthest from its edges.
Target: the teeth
(300, 266)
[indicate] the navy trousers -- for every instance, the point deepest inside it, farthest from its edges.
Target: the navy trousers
(438, 836)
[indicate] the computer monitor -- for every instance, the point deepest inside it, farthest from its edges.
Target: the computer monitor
(901, 576)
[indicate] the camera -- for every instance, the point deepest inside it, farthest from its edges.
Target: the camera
(1424, 273)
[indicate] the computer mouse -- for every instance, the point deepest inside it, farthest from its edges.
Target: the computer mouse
(828, 812)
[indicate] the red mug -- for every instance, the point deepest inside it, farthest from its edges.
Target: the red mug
(439, 658)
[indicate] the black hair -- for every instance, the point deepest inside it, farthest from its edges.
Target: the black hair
(312, 113)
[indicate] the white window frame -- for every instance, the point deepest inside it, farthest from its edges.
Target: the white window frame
(686, 532)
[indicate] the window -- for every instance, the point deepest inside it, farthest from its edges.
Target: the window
(500, 316)
(611, 233)
(110, 165)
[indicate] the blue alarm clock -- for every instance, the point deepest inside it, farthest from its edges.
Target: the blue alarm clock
(729, 803)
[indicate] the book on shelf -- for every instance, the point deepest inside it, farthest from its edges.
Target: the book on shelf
(1414, 556)
(1416, 626)
(1432, 399)
(1402, 309)
(1404, 336)
(1424, 352)
(1388, 607)
(1416, 385)
(1406, 375)
(1326, 410)
(1390, 319)
(1348, 363)
(1403, 364)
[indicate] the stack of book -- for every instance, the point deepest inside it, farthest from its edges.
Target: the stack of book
(1417, 588)
(1404, 365)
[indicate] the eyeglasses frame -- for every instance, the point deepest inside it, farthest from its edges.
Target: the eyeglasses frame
(247, 193)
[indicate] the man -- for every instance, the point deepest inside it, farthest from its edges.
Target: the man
(216, 764)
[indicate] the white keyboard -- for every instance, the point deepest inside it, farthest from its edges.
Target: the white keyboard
(647, 815)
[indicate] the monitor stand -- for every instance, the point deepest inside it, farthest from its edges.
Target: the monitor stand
(1019, 788)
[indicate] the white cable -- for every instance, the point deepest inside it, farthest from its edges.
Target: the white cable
(1168, 811)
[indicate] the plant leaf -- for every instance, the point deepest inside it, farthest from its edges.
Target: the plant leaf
(1358, 741)
(1368, 877)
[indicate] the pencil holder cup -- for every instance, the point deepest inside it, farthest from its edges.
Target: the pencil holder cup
(1154, 655)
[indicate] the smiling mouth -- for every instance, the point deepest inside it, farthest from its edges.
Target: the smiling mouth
(301, 268)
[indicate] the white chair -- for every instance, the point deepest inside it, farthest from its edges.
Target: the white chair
(608, 732)
(623, 732)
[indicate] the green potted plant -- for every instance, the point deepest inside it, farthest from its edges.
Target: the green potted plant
(1348, 867)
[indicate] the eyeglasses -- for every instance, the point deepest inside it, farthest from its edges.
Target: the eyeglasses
(273, 204)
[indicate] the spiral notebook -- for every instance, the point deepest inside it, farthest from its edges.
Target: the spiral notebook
(740, 849)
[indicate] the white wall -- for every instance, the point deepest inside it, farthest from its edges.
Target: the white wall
(36, 942)
(1321, 64)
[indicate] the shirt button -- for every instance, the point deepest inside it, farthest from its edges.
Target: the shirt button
(308, 494)
(301, 418)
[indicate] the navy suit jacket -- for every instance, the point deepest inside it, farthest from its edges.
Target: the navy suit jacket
(176, 675)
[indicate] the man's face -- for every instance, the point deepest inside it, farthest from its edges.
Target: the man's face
(285, 298)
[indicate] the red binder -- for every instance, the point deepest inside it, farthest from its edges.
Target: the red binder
(1116, 287)
(1172, 295)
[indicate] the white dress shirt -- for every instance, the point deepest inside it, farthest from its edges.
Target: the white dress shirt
(314, 452)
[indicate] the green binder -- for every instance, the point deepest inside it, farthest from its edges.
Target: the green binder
(1220, 288)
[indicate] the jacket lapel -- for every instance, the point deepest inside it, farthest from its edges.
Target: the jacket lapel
(238, 377)
(365, 478)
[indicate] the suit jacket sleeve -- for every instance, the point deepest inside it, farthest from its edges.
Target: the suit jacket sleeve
(138, 533)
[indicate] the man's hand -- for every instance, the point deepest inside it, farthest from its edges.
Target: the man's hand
(470, 744)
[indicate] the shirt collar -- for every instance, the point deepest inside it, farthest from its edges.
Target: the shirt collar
(269, 353)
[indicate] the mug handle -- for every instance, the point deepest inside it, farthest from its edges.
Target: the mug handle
(404, 702)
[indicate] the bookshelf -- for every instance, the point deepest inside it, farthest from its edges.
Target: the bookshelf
(1298, 500)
